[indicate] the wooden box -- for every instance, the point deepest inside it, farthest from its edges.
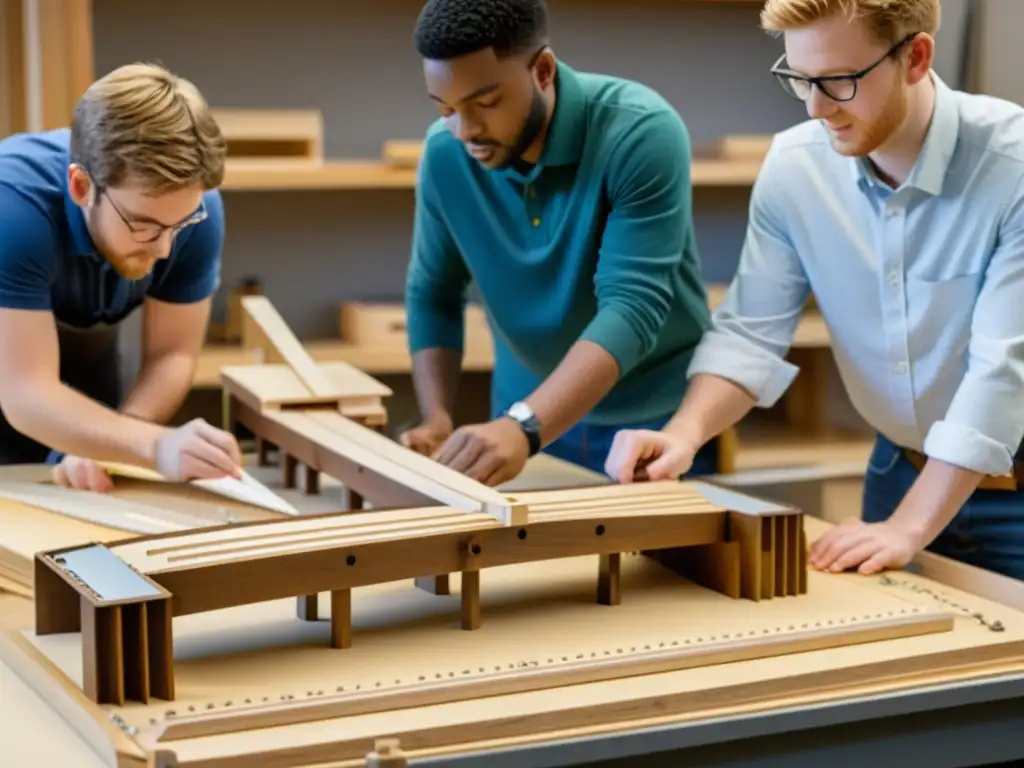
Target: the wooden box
(272, 136)
(383, 327)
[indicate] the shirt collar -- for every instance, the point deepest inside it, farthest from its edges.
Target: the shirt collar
(79, 240)
(566, 134)
(563, 144)
(929, 172)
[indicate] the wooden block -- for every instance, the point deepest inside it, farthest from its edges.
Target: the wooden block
(781, 552)
(609, 579)
(272, 137)
(160, 643)
(386, 754)
(742, 146)
(56, 602)
(277, 386)
(307, 608)
(263, 320)
(714, 566)
(470, 593)
(746, 530)
(289, 467)
(134, 628)
(435, 585)
(402, 153)
(767, 558)
(382, 327)
(341, 618)
(102, 653)
(794, 524)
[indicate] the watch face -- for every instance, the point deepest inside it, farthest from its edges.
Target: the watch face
(520, 411)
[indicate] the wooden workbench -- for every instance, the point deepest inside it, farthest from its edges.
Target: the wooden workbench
(288, 655)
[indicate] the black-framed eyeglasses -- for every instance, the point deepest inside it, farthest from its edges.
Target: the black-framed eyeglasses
(151, 232)
(836, 87)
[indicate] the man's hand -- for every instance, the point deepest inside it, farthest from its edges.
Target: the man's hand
(868, 547)
(428, 436)
(197, 450)
(82, 475)
(491, 453)
(659, 455)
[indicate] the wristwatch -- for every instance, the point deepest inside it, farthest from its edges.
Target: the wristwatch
(523, 415)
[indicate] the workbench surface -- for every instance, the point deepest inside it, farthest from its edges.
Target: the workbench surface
(965, 723)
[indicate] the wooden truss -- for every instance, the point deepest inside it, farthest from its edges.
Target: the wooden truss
(123, 596)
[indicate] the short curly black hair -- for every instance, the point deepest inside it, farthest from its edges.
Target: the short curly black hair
(447, 29)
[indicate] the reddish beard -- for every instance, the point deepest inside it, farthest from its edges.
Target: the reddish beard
(865, 137)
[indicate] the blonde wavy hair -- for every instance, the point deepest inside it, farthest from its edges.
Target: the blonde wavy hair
(890, 21)
(141, 124)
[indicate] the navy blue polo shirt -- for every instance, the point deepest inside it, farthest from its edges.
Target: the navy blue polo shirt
(49, 262)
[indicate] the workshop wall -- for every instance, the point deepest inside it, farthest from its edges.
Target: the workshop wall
(356, 62)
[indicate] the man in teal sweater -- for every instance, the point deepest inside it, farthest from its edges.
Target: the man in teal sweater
(566, 198)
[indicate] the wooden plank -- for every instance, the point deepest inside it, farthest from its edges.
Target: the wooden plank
(533, 675)
(379, 174)
(271, 568)
(378, 488)
(97, 730)
(262, 314)
(13, 105)
(276, 386)
(247, 490)
(101, 509)
(383, 455)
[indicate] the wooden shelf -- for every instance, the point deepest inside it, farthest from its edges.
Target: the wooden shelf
(256, 175)
(811, 333)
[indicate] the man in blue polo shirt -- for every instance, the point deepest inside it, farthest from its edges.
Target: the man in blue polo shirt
(118, 212)
(566, 198)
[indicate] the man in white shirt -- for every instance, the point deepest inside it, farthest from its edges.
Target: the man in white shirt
(900, 206)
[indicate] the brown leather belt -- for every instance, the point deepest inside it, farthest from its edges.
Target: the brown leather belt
(1011, 482)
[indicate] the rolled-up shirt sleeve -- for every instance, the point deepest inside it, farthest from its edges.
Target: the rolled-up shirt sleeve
(753, 327)
(984, 425)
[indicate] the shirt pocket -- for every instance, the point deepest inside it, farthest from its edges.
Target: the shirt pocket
(939, 313)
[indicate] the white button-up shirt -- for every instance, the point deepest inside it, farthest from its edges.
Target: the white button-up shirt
(922, 287)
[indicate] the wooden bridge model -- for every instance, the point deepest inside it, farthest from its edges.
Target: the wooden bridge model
(123, 596)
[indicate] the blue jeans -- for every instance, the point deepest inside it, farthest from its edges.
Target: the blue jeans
(988, 532)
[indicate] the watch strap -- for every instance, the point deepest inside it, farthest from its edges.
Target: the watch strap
(531, 428)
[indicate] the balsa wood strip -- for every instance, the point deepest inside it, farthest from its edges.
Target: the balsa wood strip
(537, 499)
(242, 554)
(248, 490)
(277, 385)
(313, 525)
(262, 313)
(541, 674)
(653, 505)
(383, 455)
(101, 509)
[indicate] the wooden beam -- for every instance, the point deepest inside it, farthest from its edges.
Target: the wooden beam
(65, 49)
(13, 115)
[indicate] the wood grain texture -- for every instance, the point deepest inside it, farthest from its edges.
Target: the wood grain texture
(406, 634)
